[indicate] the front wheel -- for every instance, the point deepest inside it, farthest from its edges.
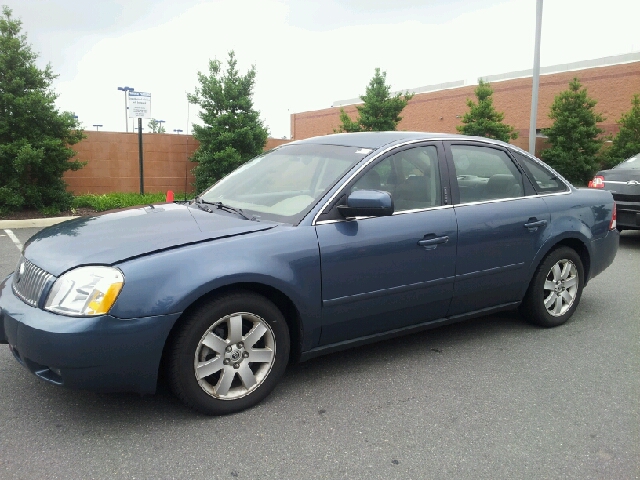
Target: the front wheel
(555, 290)
(229, 354)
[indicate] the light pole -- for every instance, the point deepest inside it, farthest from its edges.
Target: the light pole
(536, 80)
(97, 127)
(160, 122)
(126, 108)
(178, 131)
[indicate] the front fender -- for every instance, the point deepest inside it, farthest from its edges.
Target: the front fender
(284, 258)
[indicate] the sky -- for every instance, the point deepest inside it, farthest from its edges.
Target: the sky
(307, 53)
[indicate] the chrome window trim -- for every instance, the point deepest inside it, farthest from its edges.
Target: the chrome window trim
(415, 210)
(442, 207)
(487, 141)
(496, 200)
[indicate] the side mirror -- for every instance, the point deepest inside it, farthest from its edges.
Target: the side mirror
(367, 203)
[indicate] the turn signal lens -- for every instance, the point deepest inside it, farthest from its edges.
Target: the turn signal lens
(597, 182)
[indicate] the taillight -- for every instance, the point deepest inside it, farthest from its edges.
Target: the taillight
(597, 182)
(612, 223)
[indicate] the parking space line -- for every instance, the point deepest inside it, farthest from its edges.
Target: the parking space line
(14, 239)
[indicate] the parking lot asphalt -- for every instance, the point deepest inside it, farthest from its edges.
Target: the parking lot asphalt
(488, 398)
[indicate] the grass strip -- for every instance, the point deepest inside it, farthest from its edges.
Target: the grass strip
(111, 201)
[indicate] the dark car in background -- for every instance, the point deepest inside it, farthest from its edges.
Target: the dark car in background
(319, 245)
(623, 181)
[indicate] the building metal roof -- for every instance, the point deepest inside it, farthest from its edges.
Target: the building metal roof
(563, 67)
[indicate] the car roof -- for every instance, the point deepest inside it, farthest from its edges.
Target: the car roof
(376, 140)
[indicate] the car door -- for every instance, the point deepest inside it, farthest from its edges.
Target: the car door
(500, 226)
(385, 273)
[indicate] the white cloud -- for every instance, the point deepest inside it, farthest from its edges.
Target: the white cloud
(300, 69)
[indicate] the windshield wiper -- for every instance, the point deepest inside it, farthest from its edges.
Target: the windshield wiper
(221, 206)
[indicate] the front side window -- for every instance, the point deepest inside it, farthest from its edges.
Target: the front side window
(485, 173)
(283, 184)
(545, 181)
(411, 176)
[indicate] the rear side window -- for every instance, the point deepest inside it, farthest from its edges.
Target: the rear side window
(544, 180)
(485, 174)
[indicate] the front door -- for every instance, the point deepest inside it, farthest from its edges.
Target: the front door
(385, 273)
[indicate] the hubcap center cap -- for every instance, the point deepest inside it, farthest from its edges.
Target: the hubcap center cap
(236, 355)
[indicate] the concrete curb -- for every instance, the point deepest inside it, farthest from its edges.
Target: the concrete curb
(33, 223)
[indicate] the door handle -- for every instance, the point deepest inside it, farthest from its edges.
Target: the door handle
(431, 243)
(533, 226)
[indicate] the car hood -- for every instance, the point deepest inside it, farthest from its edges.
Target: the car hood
(112, 237)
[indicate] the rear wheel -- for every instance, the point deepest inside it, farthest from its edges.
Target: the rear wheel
(229, 354)
(555, 290)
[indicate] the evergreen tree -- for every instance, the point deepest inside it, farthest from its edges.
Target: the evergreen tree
(626, 143)
(34, 135)
(233, 132)
(482, 119)
(574, 136)
(380, 111)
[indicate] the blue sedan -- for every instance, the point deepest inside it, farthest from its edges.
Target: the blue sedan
(319, 245)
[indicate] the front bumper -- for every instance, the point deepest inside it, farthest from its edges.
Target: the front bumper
(104, 353)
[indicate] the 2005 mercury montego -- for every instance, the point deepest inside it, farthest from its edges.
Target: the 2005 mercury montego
(318, 245)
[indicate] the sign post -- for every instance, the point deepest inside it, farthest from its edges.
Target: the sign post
(140, 156)
(140, 107)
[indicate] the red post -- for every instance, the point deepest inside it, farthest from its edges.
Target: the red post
(169, 195)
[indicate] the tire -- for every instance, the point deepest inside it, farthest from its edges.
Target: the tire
(209, 364)
(555, 290)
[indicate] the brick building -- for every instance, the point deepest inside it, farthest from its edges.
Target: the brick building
(612, 81)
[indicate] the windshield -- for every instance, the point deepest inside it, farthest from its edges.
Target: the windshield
(284, 184)
(630, 163)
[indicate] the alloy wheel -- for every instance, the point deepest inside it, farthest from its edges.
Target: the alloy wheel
(560, 287)
(234, 356)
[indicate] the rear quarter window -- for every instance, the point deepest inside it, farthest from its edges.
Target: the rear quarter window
(544, 181)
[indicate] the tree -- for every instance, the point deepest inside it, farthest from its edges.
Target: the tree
(482, 119)
(155, 126)
(233, 132)
(380, 111)
(34, 135)
(626, 143)
(574, 136)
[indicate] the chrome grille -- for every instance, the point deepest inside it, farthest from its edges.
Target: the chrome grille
(29, 281)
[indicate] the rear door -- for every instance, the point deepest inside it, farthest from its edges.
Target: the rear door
(385, 273)
(500, 226)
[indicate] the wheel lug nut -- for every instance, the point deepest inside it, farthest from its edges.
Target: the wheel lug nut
(240, 344)
(226, 361)
(245, 354)
(228, 349)
(236, 365)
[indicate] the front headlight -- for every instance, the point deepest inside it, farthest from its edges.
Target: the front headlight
(85, 291)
